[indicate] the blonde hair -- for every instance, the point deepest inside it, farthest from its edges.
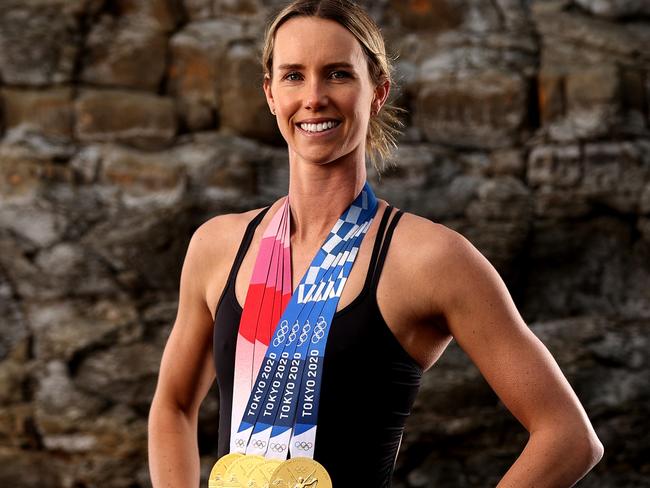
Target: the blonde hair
(383, 129)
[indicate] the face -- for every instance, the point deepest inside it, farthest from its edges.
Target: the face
(321, 90)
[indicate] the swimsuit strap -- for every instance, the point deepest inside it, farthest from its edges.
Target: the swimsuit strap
(384, 248)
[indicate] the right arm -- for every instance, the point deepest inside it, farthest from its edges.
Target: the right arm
(186, 374)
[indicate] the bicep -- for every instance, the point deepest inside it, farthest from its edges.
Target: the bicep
(485, 322)
(186, 368)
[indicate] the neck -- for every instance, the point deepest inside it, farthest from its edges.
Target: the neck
(319, 194)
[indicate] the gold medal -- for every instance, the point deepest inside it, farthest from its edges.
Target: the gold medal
(236, 475)
(300, 472)
(219, 469)
(260, 477)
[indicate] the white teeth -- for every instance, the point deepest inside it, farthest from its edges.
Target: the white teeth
(319, 127)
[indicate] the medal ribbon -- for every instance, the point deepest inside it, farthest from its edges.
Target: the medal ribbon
(267, 296)
(287, 385)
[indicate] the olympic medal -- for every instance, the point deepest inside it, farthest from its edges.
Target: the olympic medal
(300, 472)
(220, 467)
(237, 473)
(260, 477)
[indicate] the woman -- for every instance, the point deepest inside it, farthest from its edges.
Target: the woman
(413, 287)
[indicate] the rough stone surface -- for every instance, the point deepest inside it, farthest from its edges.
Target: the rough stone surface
(48, 112)
(39, 41)
(138, 119)
(243, 105)
(124, 125)
(125, 53)
(196, 70)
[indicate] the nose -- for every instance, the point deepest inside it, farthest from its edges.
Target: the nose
(316, 96)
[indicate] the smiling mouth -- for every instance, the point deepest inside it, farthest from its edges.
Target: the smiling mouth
(318, 129)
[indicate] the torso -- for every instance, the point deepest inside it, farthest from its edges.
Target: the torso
(409, 311)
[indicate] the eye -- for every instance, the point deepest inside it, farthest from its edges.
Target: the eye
(288, 76)
(340, 74)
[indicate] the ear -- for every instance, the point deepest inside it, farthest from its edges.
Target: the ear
(381, 95)
(269, 93)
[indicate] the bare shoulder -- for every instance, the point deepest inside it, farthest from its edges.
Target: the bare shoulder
(424, 236)
(442, 260)
(430, 245)
(212, 249)
(219, 233)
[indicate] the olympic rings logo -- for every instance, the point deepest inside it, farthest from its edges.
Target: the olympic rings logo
(303, 445)
(294, 330)
(281, 333)
(319, 330)
(260, 444)
(240, 443)
(277, 447)
(305, 333)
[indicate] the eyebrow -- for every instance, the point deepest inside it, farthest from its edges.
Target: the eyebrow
(339, 64)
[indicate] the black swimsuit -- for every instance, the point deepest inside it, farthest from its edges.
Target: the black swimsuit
(369, 381)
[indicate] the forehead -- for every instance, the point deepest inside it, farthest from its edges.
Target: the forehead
(312, 40)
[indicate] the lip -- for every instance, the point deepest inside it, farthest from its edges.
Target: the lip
(318, 120)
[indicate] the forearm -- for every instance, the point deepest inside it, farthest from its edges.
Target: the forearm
(552, 460)
(173, 449)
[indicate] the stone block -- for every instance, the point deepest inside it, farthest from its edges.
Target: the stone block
(20, 178)
(428, 180)
(614, 175)
(137, 119)
(143, 178)
(142, 246)
(243, 107)
(557, 203)
(164, 15)
(121, 53)
(501, 198)
(592, 101)
(61, 407)
(572, 180)
(616, 9)
(194, 75)
(123, 374)
(223, 169)
(63, 329)
(479, 110)
(592, 85)
(556, 166)
(430, 15)
(593, 104)
(69, 270)
(571, 38)
(117, 436)
(48, 112)
(38, 225)
(38, 41)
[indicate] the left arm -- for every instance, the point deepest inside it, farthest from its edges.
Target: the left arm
(563, 446)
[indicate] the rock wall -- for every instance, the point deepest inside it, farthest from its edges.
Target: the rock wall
(125, 124)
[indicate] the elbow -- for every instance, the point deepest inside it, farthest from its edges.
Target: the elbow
(164, 411)
(594, 450)
(588, 449)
